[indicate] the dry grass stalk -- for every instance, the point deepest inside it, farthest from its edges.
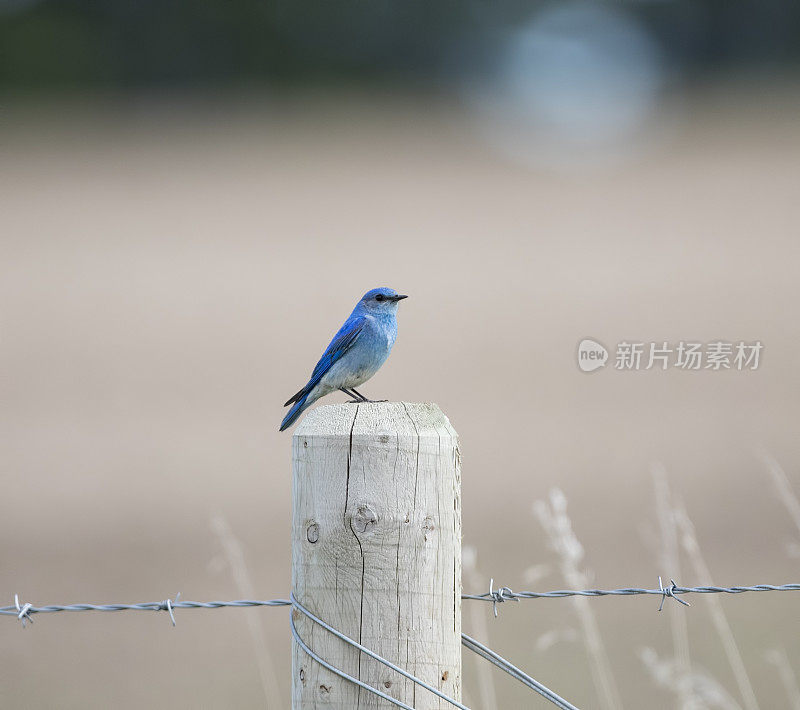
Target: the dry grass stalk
(562, 540)
(780, 659)
(723, 628)
(784, 488)
(234, 554)
(669, 559)
(547, 640)
(477, 618)
(703, 690)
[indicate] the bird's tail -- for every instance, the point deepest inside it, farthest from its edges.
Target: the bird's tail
(297, 409)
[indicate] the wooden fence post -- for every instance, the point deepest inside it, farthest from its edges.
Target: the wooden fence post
(376, 553)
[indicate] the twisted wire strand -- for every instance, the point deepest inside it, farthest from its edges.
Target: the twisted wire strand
(342, 674)
(297, 605)
(24, 612)
(143, 606)
(467, 641)
(514, 672)
(500, 595)
(505, 594)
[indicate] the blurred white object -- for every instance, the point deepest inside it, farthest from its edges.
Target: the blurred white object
(571, 87)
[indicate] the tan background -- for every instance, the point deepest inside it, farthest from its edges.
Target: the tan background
(171, 272)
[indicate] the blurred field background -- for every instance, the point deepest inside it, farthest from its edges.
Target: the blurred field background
(192, 200)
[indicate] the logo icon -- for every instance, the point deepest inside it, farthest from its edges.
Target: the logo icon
(591, 355)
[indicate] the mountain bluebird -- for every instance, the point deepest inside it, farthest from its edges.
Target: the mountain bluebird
(354, 355)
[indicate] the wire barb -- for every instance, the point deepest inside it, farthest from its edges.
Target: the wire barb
(168, 605)
(24, 611)
(670, 592)
(503, 594)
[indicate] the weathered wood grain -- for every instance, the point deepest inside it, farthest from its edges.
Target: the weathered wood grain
(376, 552)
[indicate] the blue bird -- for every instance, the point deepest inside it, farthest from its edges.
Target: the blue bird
(354, 355)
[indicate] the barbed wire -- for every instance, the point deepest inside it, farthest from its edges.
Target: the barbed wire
(495, 596)
(25, 612)
(505, 594)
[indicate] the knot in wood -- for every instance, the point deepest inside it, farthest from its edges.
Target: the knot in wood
(365, 519)
(312, 532)
(428, 526)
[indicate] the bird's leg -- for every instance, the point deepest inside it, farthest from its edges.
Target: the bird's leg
(363, 398)
(357, 398)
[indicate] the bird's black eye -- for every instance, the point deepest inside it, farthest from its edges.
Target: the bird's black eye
(380, 297)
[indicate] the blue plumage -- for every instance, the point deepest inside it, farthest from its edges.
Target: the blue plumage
(354, 355)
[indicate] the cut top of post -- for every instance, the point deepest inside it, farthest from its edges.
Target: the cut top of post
(375, 418)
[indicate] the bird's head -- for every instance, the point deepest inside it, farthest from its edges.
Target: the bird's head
(380, 300)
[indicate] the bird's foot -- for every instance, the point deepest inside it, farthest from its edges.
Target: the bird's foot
(354, 401)
(374, 401)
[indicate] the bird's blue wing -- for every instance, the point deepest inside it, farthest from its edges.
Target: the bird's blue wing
(341, 343)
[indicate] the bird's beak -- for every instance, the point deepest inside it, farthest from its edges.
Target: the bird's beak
(398, 297)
